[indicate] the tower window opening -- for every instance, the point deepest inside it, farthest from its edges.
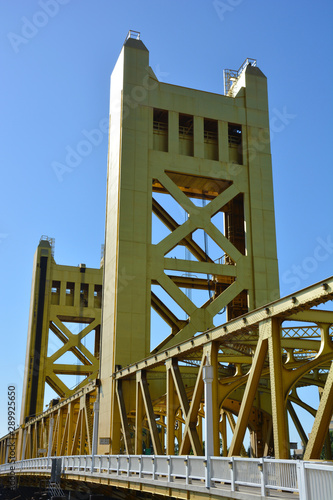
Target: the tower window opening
(70, 293)
(211, 139)
(160, 129)
(84, 294)
(186, 135)
(97, 295)
(235, 143)
(55, 292)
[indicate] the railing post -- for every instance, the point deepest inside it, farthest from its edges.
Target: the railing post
(169, 468)
(140, 466)
(117, 465)
(262, 469)
(186, 471)
(302, 481)
(128, 466)
(154, 467)
(232, 473)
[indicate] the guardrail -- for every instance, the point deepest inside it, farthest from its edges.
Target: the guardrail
(312, 481)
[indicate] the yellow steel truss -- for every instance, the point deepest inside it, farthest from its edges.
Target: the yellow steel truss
(258, 367)
(257, 372)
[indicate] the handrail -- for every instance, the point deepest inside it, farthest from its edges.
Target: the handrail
(266, 474)
(133, 34)
(231, 75)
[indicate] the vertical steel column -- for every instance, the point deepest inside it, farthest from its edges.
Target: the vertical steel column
(279, 411)
(208, 376)
(95, 435)
(223, 431)
(138, 416)
(170, 409)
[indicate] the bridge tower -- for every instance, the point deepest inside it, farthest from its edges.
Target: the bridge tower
(65, 309)
(208, 157)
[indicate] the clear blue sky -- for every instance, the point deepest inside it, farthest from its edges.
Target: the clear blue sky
(56, 61)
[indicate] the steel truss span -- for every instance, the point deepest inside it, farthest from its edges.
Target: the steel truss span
(262, 352)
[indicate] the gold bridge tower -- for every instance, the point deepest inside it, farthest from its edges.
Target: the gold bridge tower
(190, 280)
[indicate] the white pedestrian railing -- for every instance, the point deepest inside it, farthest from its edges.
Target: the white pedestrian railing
(312, 481)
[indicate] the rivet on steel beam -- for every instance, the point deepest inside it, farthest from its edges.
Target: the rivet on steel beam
(325, 287)
(207, 335)
(225, 328)
(267, 310)
(244, 320)
(166, 353)
(146, 363)
(155, 358)
(294, 300)
(136, 366)
(178, 347)
(192, 342)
